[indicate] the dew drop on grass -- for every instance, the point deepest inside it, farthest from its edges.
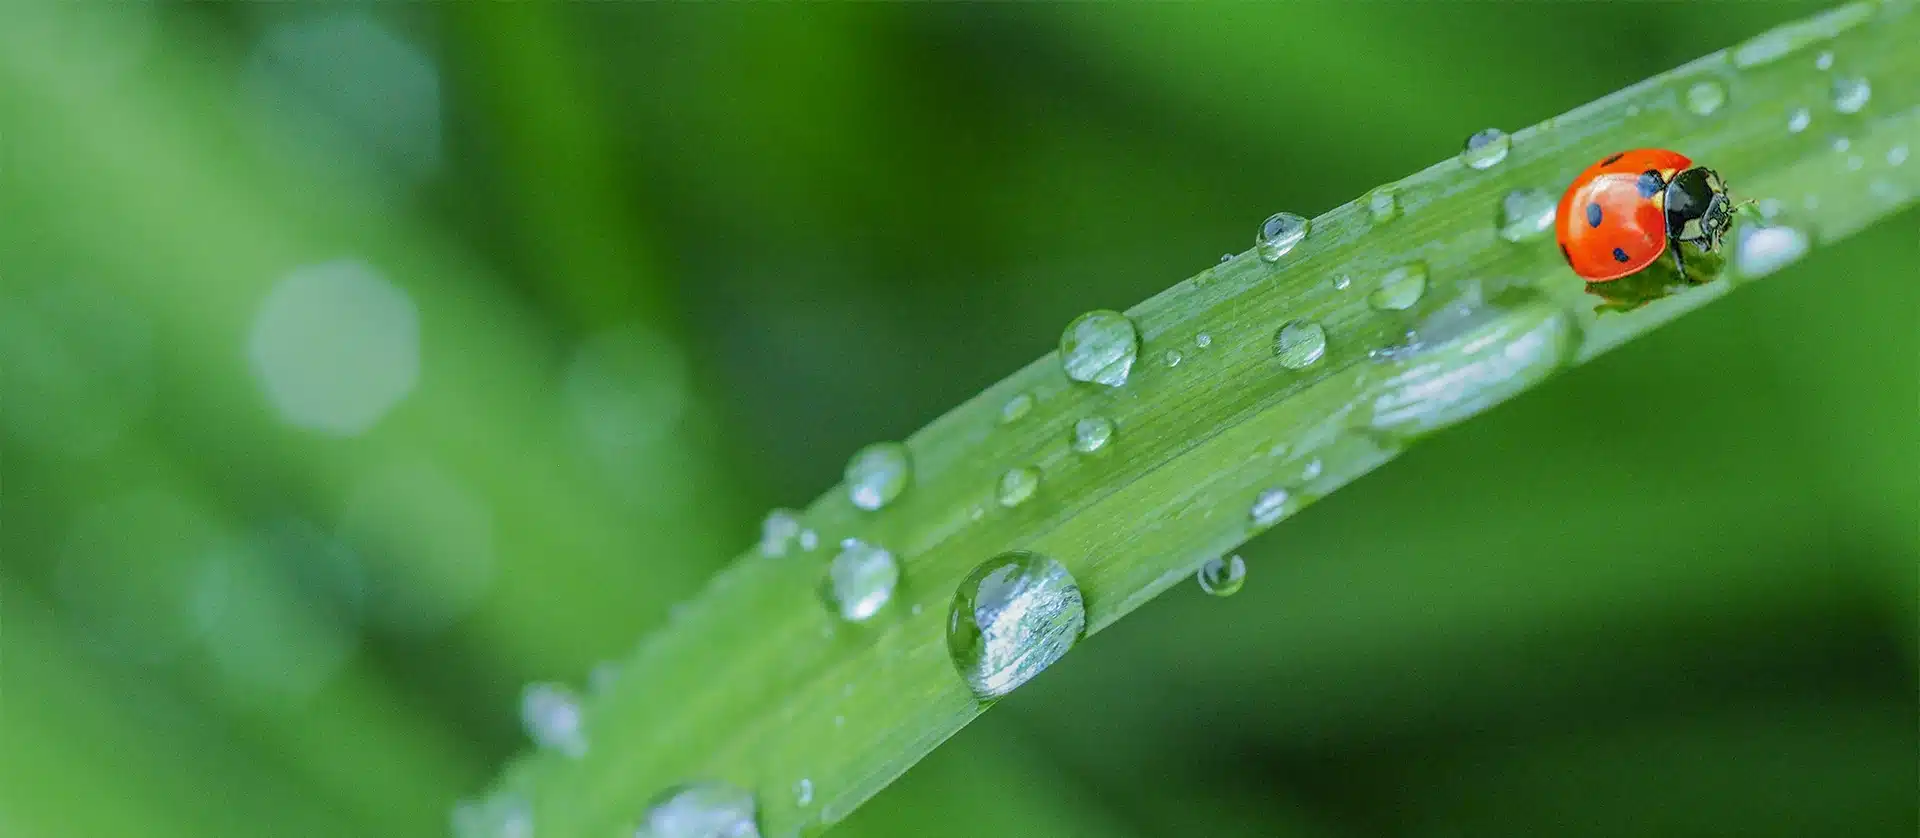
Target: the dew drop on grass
(504, 815)
(1092, 434)
(1383, 205)
(1526, 214)
(1017, 485)
(1850, 95)
(1824, 61)
(1203, 340)
(779, 532)
(701, 810)
(803, 792)
(877, 474)
(1015, 408)
(1798, 119)
(809, 540)
(552, 718)
(1279, 233)
(1012, 617)
(1099, 347)
(1222, 577)
(1269, 507)
(860, 579)
(1485, 149)
(1299, 344)
(1759, 251)
(1897, 155)
(1704, 98)
(1401, 288)
(1172, 358)
(1342, 282)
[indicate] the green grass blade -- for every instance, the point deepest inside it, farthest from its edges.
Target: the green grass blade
(756, 684)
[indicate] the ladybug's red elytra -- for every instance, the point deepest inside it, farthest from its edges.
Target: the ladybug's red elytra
(1623, 212)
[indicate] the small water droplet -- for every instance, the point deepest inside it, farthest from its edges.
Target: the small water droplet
(1824, 60)
(499, 816)
(915, 610)
(1633, 110)
(1342, 282)
(1401, 288)
(1762, 250)
(877, 474)
(1017, 485)
(1012, 617)
(1855, 163)
(1279, 233)
(779, 532)
(1485, 149)
(1467, 359)
(1172, 358)
(1383, 205)
(809, 540)
(1225, 258)
(602, 677)
(1312, 470)
(860, 579)
(1222, 577)
(1269, 507)
(803, 792)
(1841, 144)
(839, 721)
(1299, 344)
(1203, 340)
(1100, 347)
(1705, 97)
(1526, 214)
(1798, 119)
(1092, 434)
(1897, 155)
(1015, 408)
(1850, 94)
(552, 718)
(701, 810)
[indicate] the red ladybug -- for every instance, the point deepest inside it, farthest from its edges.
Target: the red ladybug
(1621, 213)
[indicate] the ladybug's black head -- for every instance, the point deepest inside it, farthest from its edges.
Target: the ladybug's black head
(1698, 207)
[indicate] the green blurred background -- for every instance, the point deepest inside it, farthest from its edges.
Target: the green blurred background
(363, 362)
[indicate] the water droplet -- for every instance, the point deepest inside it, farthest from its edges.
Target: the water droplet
(877, 474)
(1204, 340)
(500, 816)
(1299, 344)
(809, 540)
(1762, 250)
(779, 532)
(1225, 258)
(1312, 469)
(1855, 163)
(1851, 94)
(335, 346)
(1092, 434)
(602, 677)
(552, 718)
(803, 792)
(1017, 485)
(1279, 233)
(860, 579)
(1100, 347)
(1269, 507)
(1401, 288)
(1897, 155)
(701, 810)
(1342, 282)
(1824, 60)
(1485, 149)
(1222, 577)
(1172, 358)
(1633, 110)
(1706, 97)
(1798, 119)
(915, 611)
(1383, 205)
(1841, 144)
(1468, 358)
(1012, 617)
(1016, 407)
(1526, 214)
(839, 721)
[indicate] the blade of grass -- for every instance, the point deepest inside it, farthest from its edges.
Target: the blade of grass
(756, 684)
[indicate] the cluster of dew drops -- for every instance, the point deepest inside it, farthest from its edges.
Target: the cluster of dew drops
(1019, 612)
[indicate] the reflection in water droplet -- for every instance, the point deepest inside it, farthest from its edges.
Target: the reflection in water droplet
(1798, 119)
(335, 346)
(1015, 408)
(1099, 347)
(1269, 507)
(701, 810)
(877, 474)
(1485, 149)
(1401, 288)
(1759, 251)
(1526, 214)
(500, 816)
(1299, 344)
(551, 715)
(1012, 617)
(1172, 358)
(1279, 234)
(1092, 434)
(1017, 485)
(1851, 94)
(803, 792)
(1222, 577)
(1706, 97)
(1467, 360)
(860, 580)
(779, 532)
(1383, 205)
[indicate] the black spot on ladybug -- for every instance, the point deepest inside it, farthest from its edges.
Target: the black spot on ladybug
(1566, 253)
(1649, 184)
(1619, 255)
(1593, 215)
(1614, 159)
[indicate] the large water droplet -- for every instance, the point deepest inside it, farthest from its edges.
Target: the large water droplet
(1015, 408)
(860, 579)
(1850, 94)
(1100, 347)
(1798, 119)
(505, 815)
(1017, 485)
(779, 532)
(1092, 434)
(877, 474)
(1222, 577)
(1401, 288)
(1705, 97)
(1269, 507)
(1012, 617)
(552, 717)
(1279, 233)
(1468, 359)
(1759, 251)
(701, 810)
(1485, 149)
(1526, 214)
(1299, 344)
(1383, 205)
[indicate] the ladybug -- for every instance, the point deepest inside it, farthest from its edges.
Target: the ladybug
(1623, 212)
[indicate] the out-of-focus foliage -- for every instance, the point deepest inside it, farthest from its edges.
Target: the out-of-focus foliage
(363, 362)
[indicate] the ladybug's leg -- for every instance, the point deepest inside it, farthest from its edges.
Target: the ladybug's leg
(1679, 260)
